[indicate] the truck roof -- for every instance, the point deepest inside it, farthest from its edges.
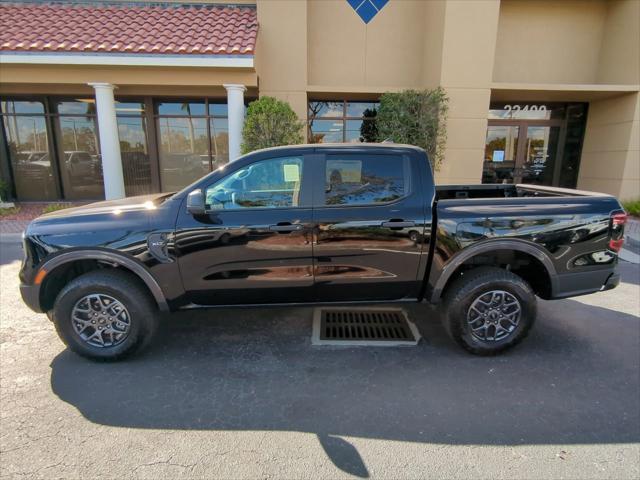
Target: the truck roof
(346, 146)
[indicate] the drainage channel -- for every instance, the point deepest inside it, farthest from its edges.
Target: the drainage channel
(379, 327)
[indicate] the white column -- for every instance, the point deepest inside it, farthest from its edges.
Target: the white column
(109, 142)
(235, 104)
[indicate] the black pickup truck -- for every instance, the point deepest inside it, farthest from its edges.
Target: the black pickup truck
(320, 224)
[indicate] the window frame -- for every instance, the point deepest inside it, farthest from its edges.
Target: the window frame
(306, 185)
(320, 171)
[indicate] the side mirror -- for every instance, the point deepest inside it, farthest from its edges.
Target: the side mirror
(195, 202)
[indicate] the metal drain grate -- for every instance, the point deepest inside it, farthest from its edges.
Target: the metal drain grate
(363, 326)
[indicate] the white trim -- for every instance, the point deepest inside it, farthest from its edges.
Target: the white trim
(137, 60)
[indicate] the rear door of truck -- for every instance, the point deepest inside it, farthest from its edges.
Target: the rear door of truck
(370, 217)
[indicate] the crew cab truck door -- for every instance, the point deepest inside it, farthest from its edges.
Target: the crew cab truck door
(369, 222)
(252, 244)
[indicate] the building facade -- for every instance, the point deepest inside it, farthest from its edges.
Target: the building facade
(124, 98)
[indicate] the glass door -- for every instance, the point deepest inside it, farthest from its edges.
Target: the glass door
(500, 153)
(539, 162)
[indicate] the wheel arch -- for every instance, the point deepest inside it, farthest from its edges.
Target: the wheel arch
(519, 249)
(82, 261)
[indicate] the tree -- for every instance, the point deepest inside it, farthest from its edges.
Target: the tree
(270, 123)
(369, 127)
(416, 118)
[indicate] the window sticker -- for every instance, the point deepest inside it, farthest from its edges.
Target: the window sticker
(498, 156)
(291, 172)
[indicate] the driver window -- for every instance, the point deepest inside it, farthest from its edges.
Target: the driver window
(273, 183)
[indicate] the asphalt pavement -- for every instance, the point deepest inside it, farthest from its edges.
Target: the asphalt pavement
(232, 393)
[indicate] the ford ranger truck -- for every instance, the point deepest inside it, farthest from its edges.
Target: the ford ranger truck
(311, 224)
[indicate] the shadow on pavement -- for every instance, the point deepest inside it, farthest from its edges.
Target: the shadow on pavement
(574, 381)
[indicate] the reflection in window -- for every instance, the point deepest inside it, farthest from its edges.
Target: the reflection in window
(500, 152)
(339, 121)
(132, 132)
(81, 165)
(184, 151)
(193, 139)
(273, 183)
(29, 151)
(352, 180)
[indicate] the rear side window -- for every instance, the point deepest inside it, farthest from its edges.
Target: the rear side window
(365, 180)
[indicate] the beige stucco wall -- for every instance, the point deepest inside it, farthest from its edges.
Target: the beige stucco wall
(344, 51)
(128, 79)
(281, 52)
(619, 60)
(611, 151)
(467, 65)
(549, 41)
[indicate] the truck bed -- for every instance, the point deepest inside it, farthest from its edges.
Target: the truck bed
(451, 192)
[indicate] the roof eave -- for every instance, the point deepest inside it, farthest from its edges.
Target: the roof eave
(137, 60)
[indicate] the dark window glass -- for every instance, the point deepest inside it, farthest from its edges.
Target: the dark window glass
(30, 157)
(136, 165)
(576, 121)
(355, 180)
(21, 107)
(219, 141)
(81, 165)
(181, 108)
(76, 107)
(273, 183)
(184, 151)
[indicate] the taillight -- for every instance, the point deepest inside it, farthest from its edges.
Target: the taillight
(618, 221)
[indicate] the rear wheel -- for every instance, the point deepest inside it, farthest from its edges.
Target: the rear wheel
(105, 315)
(489, 310)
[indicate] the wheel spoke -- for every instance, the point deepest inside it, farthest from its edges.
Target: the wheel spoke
(489, 310)
(96, 311)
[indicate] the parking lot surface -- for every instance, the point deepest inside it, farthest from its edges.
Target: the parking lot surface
(241, 393)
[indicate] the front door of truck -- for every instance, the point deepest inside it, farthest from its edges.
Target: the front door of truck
(369, 218)
(253, 243)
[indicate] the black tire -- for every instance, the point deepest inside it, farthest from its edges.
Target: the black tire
(122, 286)
(473, 284)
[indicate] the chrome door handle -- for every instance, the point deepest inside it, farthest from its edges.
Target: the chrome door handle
(286, 227)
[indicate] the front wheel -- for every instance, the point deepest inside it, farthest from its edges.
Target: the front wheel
(105, 315)
(489, 310)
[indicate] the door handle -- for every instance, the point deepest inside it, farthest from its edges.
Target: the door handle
(286, 227)
(398, 224)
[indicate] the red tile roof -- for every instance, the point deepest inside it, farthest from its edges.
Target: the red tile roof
(200, 30)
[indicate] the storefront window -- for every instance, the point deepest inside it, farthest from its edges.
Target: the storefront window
(81, 163)
(51, 145)
(25, 129)
(134, 150)
(342, 121)
(193, 140)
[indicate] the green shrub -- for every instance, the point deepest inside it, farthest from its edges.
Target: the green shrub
(6, 212)
(632, 207)
(415, 117)
(5, 191)
(270, 123)
(54, 207)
